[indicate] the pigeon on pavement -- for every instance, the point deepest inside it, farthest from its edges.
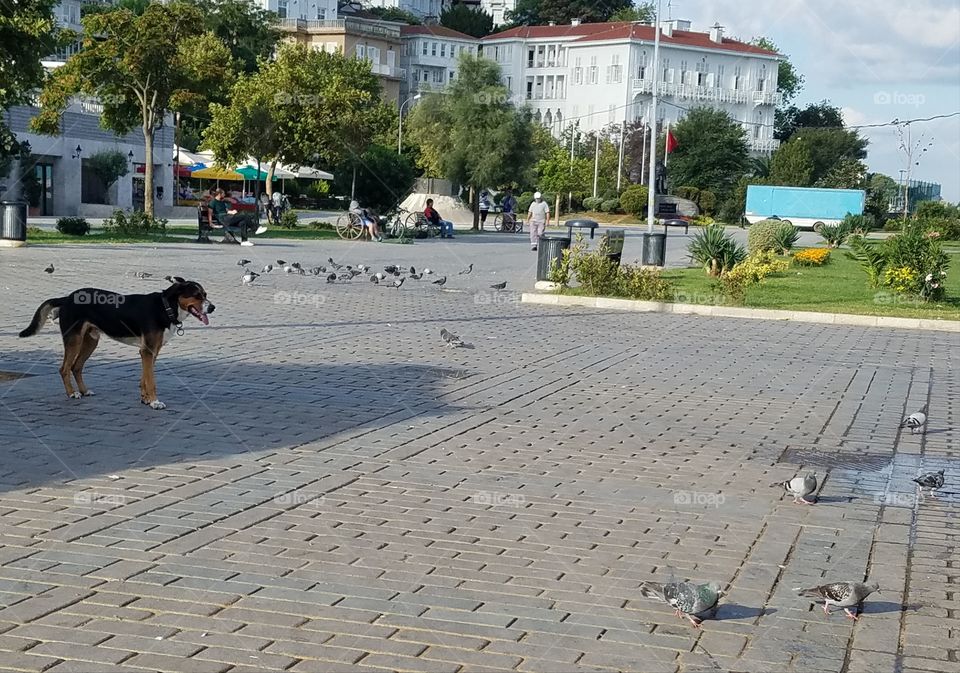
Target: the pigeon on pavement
(243, 262)
(288, 269)
(842, 594)
(280, 262)
(374, 280)
(379, 275)
(464, 272)
(249, 277)
(143, 275)
(915, 420)
(334, 265)
(295, 265)
(498, 286)
(412, 271)
(450, 338)
(49, 269)
(440, 281)
(799, 487)
(693, 601)
(931, 480)
(398, 283)
(390, 268)
(427, 272)
(316, 271)
(332, 278)
(416, 276)
(355, 272)
(267, 268)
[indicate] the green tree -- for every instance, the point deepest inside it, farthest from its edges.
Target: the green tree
(789, 81)
(140, 68)
(383, 177)
(816, 115)
(304, 108)
(93, 7)
(644, 13)
(881, 191)
(466, 19)
(28, 33)
(846, 173)
(829, 147)
(109, 166)
(559, 175)
(394, 14)
(711, 151)
(791, 165)
(249, 32)
(539, 12)
(476, 135)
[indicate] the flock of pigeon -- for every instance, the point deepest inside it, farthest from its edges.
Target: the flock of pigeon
(696, 601)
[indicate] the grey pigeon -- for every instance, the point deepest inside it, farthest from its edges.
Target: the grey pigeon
(333, 264)
(280, 262)
(799, 487)
(398, 283)
(316, 271)
(243, 262)
(440, 281)
(693, 601)
(143, 275)
(931, 480)
(380, 275)
(427, 272)
(450, 338)
(416, 276)
(464, 272)
(412, 271)
(498, 286)
(915, 420)
(332, 278)
(390, 268)
(363, 268)
(288, 269)
(374, 280)
(49, 269)
(842, 594)
(295, 265)
(355, 272)
(267, 268)
(344, 276)
(249, 277)
(174, 279)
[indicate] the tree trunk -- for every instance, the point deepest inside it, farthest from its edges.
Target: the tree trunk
(475, 208)
(353, 185)
(148, 131)
(270, 171)
(557, 211)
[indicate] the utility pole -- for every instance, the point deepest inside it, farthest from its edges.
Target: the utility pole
(596, 166)
(623, 141)
(651, 184)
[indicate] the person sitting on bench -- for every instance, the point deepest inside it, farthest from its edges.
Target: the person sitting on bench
(445, 226)
(229, 218)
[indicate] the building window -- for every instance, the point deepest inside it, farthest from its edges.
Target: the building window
(667, 71)
(443, 50)
(701, 67)
(758, 127)
(433, 48)
(426, 75)
(529, 88)
(593, 76)
(361, 51)
(282, 9)
(530, 56)
(438, 76)
(615, 71)
(684, 75)
(761, 79)
(719, 80)
(541, 56)
(424, 43)
(561, 87)
(578, 71)
(738, 78)
(551, 56)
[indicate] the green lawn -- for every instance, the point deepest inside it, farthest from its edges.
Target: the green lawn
(839, 287)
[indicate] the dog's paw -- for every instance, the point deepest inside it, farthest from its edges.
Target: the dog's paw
(89, 393)
(75, 396)
(158, 405)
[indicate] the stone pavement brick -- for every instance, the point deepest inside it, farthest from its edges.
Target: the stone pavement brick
(245, 657)
(160, 662)
(45, 603)
(88, 653)
(398, 663)
(26, 661)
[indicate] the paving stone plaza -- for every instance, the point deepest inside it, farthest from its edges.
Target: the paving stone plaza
(333, 489)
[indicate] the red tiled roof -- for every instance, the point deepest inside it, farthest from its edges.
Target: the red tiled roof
(622, 30)
(438, 31)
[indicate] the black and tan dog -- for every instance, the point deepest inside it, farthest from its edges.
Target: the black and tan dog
(146, 321)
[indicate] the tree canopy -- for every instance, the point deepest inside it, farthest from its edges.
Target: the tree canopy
(249, 31)
(140, 68)
(789, 81)
(791, 165)
(829, 147)
(644, 13)
(26, 36)
(814, 115)
(468, 20)
(394, 14)
(711, 151)
(539, 12)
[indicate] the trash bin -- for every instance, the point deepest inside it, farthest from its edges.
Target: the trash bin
(550, 248)
(13, 225)
(654, 249)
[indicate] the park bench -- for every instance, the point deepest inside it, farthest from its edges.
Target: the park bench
(204, 228)
(612, 240)
(676, 222)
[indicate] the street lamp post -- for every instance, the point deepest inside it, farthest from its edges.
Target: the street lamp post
(651, 178)
(400, 125)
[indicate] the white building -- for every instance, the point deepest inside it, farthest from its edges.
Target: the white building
(422, 9)
(496, 8)
(310, 10)
(601, 74)
(431, 56)
(56, 179)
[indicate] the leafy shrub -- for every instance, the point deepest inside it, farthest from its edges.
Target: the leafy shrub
(597, 275)
(702, 220)
(893, 224)
(595, 272)
(560, 269)
(610, 206)
(859, 224)
(73, 226)
(917, 250)
(751, 271)
(812, 257)
(707, 202)
(109, 166)
(715, 250)
(835, 235)
(937, 209)
(634, 200)
(901, 279)
(871, 258)
(317, 225)
(591, 203)
(136, 223)
(610, 194)
(635, 282)
(524, 201)
(947, 228)
(686, 192)
(289, 220)
(762, 236)
(786, 236)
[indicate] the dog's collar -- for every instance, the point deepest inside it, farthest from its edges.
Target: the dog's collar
(172, 315)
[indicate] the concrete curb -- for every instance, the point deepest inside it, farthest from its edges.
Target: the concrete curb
(748, 313)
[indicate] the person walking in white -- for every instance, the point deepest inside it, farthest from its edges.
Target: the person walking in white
(537, 217)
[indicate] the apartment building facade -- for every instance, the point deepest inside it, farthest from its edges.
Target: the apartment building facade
(598, 75)
(308, 10)
(498, 9)
(430, 57)
(422, 9)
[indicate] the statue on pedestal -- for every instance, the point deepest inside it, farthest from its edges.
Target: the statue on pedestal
(660, 183)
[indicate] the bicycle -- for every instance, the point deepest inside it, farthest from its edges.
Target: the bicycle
(508, 223)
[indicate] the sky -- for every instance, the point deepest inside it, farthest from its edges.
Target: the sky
(877, 60)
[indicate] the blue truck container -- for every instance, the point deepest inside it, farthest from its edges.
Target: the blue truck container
(804, 207)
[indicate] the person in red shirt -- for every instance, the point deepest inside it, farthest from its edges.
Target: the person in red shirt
(446, 227)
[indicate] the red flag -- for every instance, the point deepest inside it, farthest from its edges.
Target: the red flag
(671, 142)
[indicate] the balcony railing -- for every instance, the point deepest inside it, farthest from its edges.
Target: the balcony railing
(764, 144)
(767, 98)
(388, 70)
(348, 25)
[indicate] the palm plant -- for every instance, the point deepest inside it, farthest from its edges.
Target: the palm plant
(715, 250)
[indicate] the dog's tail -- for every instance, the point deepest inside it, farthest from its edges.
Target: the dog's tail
(48, 309)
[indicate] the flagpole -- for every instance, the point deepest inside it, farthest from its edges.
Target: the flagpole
(651, 185)
(596, 166)
(623, 141)
(643, 152)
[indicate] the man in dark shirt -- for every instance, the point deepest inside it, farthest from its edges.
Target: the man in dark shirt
(446, 227)
(228, 218)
